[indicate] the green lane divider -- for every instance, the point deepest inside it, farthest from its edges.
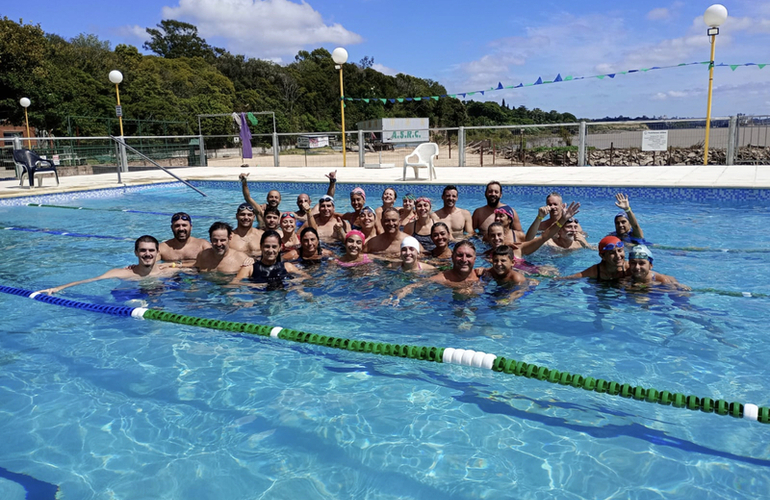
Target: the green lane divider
(709, 249)
(732, 294)
(477, 359)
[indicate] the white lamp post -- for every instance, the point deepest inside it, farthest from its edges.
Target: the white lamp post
(116, 77)
(25, 102)
(340, 57)
(714, 17)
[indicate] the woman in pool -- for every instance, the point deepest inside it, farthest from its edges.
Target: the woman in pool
(289, 240)
(421, 227)
(368, 221)
(410, 257)
(407, 210)
(269, 270)
(354, 250)
(310, 250)
(389, 198)
(440, 236)
(504, 215)
(357, 201)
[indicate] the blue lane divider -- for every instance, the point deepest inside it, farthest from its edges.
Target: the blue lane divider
(43, 205)
(50, 299)
(66, 233)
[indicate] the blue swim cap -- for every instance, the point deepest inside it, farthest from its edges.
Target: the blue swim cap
(640, 252)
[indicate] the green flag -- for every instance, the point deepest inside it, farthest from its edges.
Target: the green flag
(252, 119)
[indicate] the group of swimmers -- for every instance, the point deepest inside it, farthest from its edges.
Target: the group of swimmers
(434, 245)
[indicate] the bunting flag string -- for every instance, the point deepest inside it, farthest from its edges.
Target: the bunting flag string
(540, 81)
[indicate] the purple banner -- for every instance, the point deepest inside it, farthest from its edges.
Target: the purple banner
(245, 137)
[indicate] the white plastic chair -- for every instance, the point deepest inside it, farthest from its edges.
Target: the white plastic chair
(425, 153)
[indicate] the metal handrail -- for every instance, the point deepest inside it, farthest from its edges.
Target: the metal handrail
(142, 155)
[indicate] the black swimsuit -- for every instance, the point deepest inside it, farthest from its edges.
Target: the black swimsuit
(424, 239)
(273, 275)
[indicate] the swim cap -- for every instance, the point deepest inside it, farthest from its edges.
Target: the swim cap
(505, 209)
(425, 199)
(640, 252)
(410, 241)
(356, 232)
(288, 214)
(621, 214)
(367, 208)
(326, 197)
(609, 243)
(359, 191)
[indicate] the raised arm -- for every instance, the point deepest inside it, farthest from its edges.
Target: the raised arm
(529, 247)
(535, 227)
(248, 199)
(622, 203)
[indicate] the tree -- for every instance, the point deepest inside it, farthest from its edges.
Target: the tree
(176, 39)
(366, 62)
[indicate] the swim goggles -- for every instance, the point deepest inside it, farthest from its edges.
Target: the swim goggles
(326, 197)
(505, 210)
(611, 246)
(288, 214)
(367, 208)
(571, 220)
(245, 206)
(180, 215)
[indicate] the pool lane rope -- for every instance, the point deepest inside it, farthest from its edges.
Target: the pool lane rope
(126, 210)
(465, 357)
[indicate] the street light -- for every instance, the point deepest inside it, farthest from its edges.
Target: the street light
(116, 77)
(713, 17)
(340, 57)
(25, 102)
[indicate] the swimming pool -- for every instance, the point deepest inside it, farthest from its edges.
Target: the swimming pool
(102, 406)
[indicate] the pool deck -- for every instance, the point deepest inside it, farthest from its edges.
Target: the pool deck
(712, 176)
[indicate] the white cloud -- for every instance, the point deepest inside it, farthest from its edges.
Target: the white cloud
(137, 33)
(261, 28)
(660, 96)
(658, 14)
(384, 69)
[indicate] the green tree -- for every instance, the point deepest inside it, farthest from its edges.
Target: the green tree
(175, 39)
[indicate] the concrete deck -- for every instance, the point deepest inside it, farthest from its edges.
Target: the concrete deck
(712, 176)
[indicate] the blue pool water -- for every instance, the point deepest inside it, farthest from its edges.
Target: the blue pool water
(109, 407)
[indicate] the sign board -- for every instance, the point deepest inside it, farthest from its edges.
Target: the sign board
(655, 140)
(118, 111)
(56, 161)
(399, 130)
(312, 141)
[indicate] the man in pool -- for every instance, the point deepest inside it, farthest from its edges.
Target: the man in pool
(458, 219)
(146, 251)
(220, 257)
(613, 265)
(389, 242)
(484, 216)
(245, 236)
(627, 227)
(326, 220)
(569, 237)
(272, 218)
(182, 246)
(273, 200)
(502, 270)
(303, 200)
(554, 207)
(641, 273)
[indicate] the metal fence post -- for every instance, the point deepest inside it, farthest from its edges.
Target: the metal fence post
(461, 146)
(581, 159)
(202, 151)
(361, 152)
(123, 156)
(276, 156)
(732, 140)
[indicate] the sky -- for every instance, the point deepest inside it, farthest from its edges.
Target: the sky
(470, 46)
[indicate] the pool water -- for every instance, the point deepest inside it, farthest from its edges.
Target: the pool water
(111, 407)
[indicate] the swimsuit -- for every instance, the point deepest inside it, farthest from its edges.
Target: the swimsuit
(525, 266)
(599, 277)
(273, 275)
(365, 260)
(425, 240)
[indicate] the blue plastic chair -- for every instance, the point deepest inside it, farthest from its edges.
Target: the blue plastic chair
(31, 164)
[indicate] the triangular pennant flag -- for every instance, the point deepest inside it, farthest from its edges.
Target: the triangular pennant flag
(529, 84)
(463, 94)
(721, 64)
(645, 69)
(383, 100)
(366, 101)
(623, 73)
(409, 99)
(442, 95)
(760, 66)
(682, 64)
(481, 92)
(392, 101)
(611, 75)
(750, 64)
(568, 78)
(655, 67)
(471, 93)
(539, 81)
(633, 70)
(706, 62)
(435, 97)
(600, 77)
(400, 99)
(426, 98)
(510, 87)
(499, 86)
(558, 78)
(519, 85)
(733, 66)
(417, 98)
(453, 95)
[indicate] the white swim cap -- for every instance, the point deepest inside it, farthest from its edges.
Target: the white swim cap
(410, 241)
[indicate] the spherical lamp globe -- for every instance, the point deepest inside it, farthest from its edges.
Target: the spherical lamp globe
(340, 55)
(715, 15)
(25, 102)
(116, 76)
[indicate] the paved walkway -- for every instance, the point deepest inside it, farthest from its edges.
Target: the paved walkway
(755, 177)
